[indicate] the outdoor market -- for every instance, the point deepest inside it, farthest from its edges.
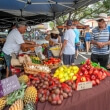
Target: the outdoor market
(54, 55)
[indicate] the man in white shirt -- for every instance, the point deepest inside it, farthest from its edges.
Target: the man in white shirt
(14, 42)
(68, 47)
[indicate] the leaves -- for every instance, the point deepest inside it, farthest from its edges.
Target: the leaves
(90, 11)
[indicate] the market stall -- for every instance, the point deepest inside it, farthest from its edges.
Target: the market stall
(49, 85)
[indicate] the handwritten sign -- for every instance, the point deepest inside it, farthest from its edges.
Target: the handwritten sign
(84, 85)
(9, 85)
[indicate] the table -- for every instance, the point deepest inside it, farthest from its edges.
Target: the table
(96, 98)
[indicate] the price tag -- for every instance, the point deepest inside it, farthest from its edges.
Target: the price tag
(9, 85)
(84, 85)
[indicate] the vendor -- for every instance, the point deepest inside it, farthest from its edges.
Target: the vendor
(13, 44)
(54, 39)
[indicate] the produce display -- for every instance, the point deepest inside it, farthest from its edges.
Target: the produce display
(30, 106)
(19, 94)
(88, 72)
(50, 89)
(52, 62)
(23, 79)
(2, 102)
(30, 95)
(17, 105)
(65, 73)
(35, 60)
(37, 85)
(35, 68)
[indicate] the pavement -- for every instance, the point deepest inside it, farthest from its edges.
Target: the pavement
(82, 57)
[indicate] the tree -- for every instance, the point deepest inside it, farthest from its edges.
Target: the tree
(90, 11)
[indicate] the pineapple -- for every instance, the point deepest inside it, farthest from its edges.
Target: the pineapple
(30, 95)
(18, 105)
(30, 106)
(2, 102)
(23, 79)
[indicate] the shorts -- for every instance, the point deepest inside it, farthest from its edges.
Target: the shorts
(8, 61)
(76, 47)
(87, 39)
(68, 59)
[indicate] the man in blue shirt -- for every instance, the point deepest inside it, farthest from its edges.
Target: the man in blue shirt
(77, 33)
(100, 40)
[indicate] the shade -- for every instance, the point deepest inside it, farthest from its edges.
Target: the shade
(37, 11)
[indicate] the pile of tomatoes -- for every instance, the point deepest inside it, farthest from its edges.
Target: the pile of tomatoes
(52, 60)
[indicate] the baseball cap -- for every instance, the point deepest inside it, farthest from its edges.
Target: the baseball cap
(69, 23)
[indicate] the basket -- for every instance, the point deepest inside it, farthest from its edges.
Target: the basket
(56, 50)
(31, 68)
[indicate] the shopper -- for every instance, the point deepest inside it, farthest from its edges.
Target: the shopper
(87, 39)
(77, 33)
(68, 47)
(100, 40)
(54, 39)
(13, 44)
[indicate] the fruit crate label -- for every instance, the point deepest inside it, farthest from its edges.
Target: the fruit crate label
(9, 85)
(84, 85)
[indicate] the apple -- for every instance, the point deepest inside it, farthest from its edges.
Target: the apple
(83, 79)
(85, 72)
(80, 73)
(83, 68)
(93, 77)
(97, 81)
(93, 82)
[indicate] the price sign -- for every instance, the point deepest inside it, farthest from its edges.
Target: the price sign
(1, 90)
(9, 85)
(84, 85)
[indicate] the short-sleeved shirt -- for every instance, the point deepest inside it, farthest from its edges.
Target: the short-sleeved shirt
(100, 36)
(70, 37)
(13, 41)
(77, 33)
